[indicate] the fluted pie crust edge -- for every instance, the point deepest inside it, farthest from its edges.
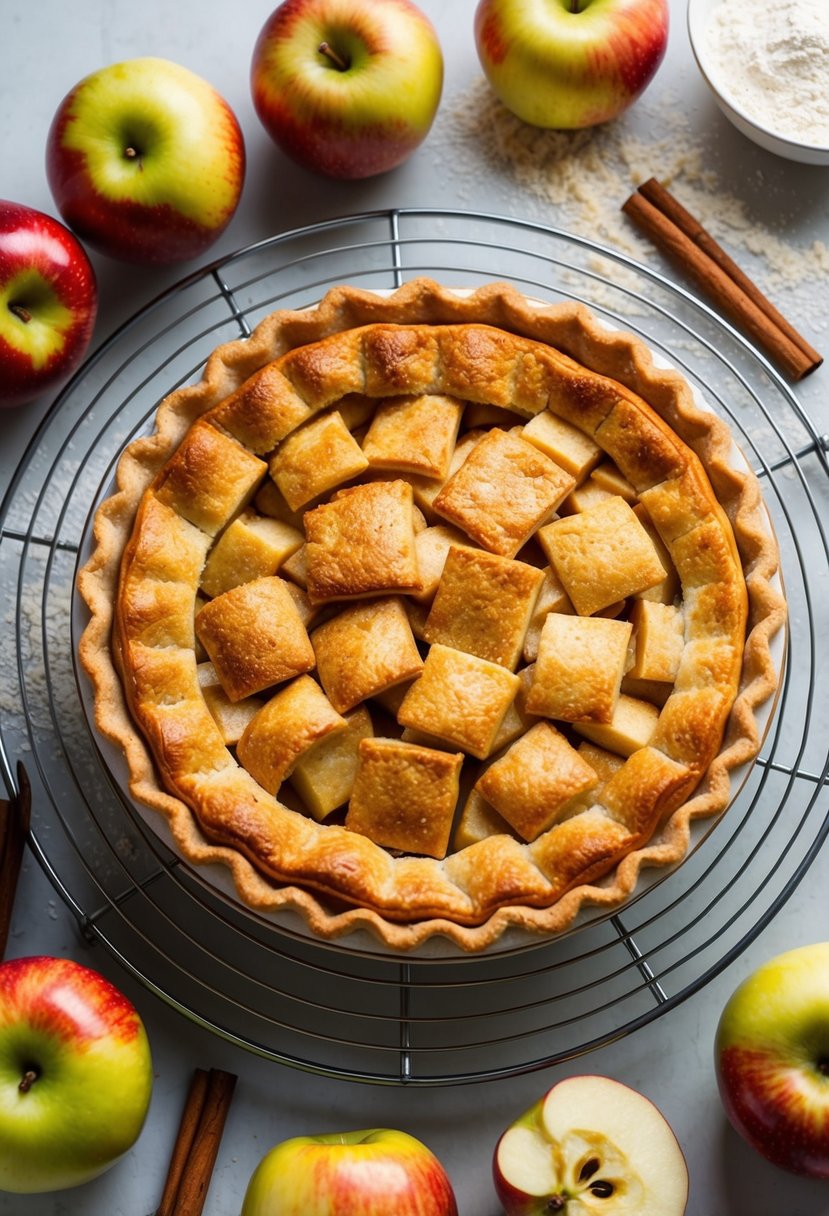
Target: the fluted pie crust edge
(494, 346)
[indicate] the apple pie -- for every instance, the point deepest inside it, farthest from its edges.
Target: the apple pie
(433, 612)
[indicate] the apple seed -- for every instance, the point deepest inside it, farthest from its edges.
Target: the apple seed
(601, 1189)
(588, 1169)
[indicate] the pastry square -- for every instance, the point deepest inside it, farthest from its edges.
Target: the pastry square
(362, 543)
(432, 546)
(252, 546)
(254, 637)
(581, 660)
(269, 500)
(363, 650)
(426, 489)
(414, 435)
(231, 717)
(324, 776)
(536, 781)
(564, 443)
(631, 727)
(483, 605)
(502, 492)
(607, 477)
(460, 698)
(477, 821)
(316, 458)
(669, 589)
(601, 555)
(658, 639)
(292, 721)
(584, 496)
(404, 796)
(551, 598)
(210, 478)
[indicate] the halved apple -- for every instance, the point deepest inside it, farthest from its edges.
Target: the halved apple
(591, 1145)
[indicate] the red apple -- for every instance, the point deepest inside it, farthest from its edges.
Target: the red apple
(146, 161)
(347, 88)
(772, 1060)
(75, 1074)
(367, 1173)
(570, 63)
(48, 301)
(593, 1145)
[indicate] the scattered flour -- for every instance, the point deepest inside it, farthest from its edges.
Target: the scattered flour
(578, 180)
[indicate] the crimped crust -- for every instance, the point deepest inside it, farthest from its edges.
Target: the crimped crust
(176, 489)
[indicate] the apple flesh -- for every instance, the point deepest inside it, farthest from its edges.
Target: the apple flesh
(772, 1060)
(146, 161)
(75, 1074)
(347, 88)
(570, 63)
(48, 303)
(364, 1173)
(591, 1145)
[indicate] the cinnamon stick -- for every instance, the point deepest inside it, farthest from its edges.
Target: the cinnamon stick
(197, 1143)
(15, 814)
(675, 231)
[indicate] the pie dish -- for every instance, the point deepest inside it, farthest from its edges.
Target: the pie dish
(433, 613)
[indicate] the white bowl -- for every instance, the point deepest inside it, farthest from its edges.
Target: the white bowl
(699, 12)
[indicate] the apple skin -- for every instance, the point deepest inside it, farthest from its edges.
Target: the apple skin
(364, 117)
(48, 303)
(772, 1060)
(364, 1173)
(146, 161)
(87, 1044)
(559, 68)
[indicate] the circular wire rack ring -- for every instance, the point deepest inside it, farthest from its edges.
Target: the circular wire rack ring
(349, 1009)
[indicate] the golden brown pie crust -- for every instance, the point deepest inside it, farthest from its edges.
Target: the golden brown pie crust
(178, 487)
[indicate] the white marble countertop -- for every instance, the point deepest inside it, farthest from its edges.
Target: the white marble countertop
(776, 217)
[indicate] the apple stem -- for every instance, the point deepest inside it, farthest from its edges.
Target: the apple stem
(575, 6)
(21, 312)
(556, 1203)
(325, 48)
(27, 1080)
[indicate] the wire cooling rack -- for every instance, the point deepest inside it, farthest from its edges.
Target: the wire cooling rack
(349, 1009)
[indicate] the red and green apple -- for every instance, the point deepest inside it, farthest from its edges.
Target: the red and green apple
(347, 88)
(75, 1074)
(146, 161)
(772, 1060)
(591, 1146)
(570, 63)
(48, 303)
(363, 1173)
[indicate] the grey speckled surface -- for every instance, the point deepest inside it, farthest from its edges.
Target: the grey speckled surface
(44, 49)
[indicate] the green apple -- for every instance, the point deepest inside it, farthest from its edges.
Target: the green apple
(367, 1173)
(146, 161)
(772, 1060)
(570, 63)
(347, 88)
(75, 1074)
(591, 1147)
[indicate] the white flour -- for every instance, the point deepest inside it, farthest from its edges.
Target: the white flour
(771, 59)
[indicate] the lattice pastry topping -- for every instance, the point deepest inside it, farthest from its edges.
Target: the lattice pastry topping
(435, 612)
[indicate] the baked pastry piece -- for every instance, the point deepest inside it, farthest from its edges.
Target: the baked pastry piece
(540, 590)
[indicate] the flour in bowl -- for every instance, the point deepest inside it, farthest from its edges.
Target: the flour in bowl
(771, 59)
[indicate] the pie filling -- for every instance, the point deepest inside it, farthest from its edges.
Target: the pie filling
(424, 612)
